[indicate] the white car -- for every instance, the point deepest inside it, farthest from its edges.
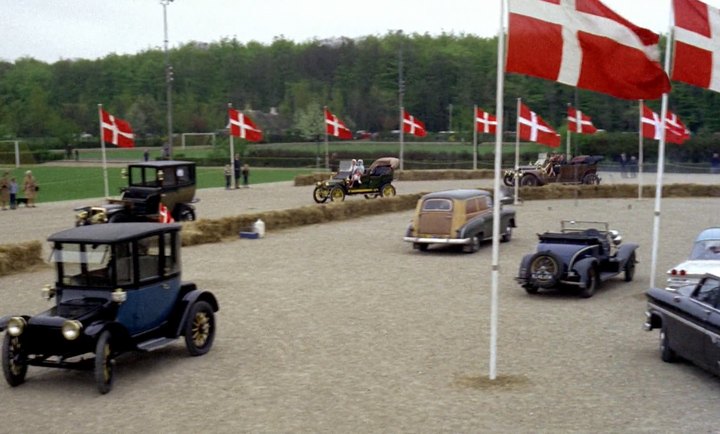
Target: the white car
(704, 258)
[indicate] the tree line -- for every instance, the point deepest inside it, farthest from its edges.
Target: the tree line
(443, 77)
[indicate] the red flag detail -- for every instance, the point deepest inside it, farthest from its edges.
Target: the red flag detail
(579, 122)
(116, 131)
(584, 44)
(485, 122)
(242, 126)
(335, 127)
(413, 125)
(535, 129)
(165, 216)
(697, 44)
(676, 131)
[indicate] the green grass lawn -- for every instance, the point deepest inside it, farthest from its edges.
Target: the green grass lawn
(68, 183)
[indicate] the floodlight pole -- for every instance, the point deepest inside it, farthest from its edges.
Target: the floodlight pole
(168, 79)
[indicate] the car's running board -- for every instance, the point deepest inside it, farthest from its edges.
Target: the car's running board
(606, 275)
(155, 344)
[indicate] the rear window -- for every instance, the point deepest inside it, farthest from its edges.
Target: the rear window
(437, 205)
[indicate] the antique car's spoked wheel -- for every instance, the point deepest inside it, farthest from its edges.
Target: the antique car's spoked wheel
(320, 194)
(185, 213)
(591, 179)
(667, 355)
(591, 283)
(630, 268)
(529, 181)
(104, 362)
(509, 179)
(13, 360)
(200, 329)
(387, 190)
(544, 270)
(337, 194)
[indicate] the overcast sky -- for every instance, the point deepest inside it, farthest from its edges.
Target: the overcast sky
(51, 30)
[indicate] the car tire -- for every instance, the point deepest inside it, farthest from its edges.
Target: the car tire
(320, 194)
(371, 196)
(630, 268)
(421, 246)
(387, 190)
(545, 269)
(474, 245)
(104, 362)
(591, 283)
(507, 236)
(509, 180)
(185, 213)
(591, 179)
(337, 194)
(200, 328)
(529, 181)
(531, 289)
(118, 218)
(13, 360)
(667, 354)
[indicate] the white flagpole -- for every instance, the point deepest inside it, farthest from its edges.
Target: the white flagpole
(401, 90)
(567, 146)
(232, 146)
(497, 193)
(327, 146)
(104, 157)
(640, 151)
(660, 165)
(475, 144)
(517, 152)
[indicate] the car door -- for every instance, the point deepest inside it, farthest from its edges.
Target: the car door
(712, 336)
(688, 336)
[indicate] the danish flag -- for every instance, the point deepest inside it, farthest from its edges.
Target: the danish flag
(413, 125)
(165, 216)
(335, 127)
(242, 126)
(697, 44)
(579, 122)
(533, 128)
(485, 122)
(583, 43)
(116, 131)
(652, 128)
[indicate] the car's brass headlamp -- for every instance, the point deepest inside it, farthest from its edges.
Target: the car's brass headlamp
(16, 325)
(71, 329)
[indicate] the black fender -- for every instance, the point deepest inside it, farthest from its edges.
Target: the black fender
(624, 251)
(524, 269)
(473, 226)
(582, 266)
(118, 331)
(184, 305)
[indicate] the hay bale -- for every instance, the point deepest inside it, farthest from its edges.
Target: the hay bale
(19, 257)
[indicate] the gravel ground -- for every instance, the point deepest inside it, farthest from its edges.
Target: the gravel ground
(342, 327)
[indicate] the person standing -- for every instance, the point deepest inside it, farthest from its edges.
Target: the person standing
(5, 190)
(30, 189)
(13, 193)
(236, 169)
(623, 165)
(228, 176)
(715, 163)
(245, 175)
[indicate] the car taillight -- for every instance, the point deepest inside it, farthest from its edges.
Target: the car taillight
(683, 272)
(674, 272)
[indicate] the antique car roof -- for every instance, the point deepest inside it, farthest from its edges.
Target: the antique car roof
(161, 163)
(385, 161)
(464, 193)
(709, 234)
(111, 232)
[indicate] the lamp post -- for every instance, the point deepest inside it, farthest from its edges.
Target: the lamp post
(168, 81)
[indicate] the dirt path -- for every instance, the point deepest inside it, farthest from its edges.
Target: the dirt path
(342, 327)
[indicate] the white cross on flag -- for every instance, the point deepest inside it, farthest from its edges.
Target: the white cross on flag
(485, 122)
(164, 215)
(697, 44)
(535, 129)
(335, 127)
(677, 133)
(579, 122)
(116, 131)
(413, 125)
(583, 43)
(242, 126)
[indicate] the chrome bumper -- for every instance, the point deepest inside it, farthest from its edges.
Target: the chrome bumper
(421, 240)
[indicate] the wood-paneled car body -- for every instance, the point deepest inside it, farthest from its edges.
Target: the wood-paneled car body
(582, 254)
(150, 184)
(457, 217)
(118, 288)
(689, 322)
(375, 181)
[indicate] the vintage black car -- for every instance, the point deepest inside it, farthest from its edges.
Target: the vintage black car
(375, 181)
(581, 255)
(152, 185)
(457, 217)
(118, 288)
(689, 322)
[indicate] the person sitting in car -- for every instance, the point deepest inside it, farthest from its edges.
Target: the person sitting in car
(358, 173)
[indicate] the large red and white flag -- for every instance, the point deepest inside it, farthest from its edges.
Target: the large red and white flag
(335, 127)
(583, 43)
(535, 129)
(242, 126)
(413, 125)
(485, 122)
(697, 44)
(579, 122)
(116, 131)
(652, 128)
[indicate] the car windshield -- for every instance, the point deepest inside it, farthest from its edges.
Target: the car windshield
(83, 264)
(705, 249)
(143, 177)
(437, 205)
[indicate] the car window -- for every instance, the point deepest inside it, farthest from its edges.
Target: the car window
(169, 179)
(172, 252)
(437, 205)
(124, 263)
(708, 292)
(83, 264)
(149, 257)
(472, 206)
(706, 249)
(182, 173)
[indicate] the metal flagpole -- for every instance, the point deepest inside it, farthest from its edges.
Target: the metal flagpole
(475, 144)
(660, 166)
(104, 157)
(497, 193)
(327, 146)
(517, 153)
(232, 145)
(567, 147)
(640, 151)
(401, 90)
